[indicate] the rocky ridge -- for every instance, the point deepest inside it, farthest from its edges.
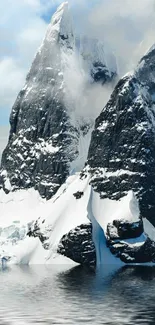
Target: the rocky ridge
(122, 150)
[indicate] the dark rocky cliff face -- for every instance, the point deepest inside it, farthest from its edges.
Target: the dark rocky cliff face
(44, 136)
(41, 130)
(122, 150)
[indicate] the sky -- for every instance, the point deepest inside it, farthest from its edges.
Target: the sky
(126, 25)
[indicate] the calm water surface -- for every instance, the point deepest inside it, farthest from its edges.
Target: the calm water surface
(53, 295)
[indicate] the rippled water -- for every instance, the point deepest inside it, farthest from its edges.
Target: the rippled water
(51, 295)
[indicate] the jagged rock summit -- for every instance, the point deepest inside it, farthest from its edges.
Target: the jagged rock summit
(47, 140)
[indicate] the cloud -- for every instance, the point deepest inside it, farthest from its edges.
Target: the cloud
(127, 26)
(11, 79)
(86, 99)
(4, 131)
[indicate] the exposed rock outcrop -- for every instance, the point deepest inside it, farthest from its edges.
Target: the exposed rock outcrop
(78, 245)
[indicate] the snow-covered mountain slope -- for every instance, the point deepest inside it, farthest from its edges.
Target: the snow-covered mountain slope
(75, 223)
(56, 217)
(50, 121)
(122, 150)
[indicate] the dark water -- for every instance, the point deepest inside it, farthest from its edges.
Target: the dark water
(47, 295)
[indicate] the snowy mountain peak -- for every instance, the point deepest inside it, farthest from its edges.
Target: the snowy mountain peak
(61, 25)
(63, 6)
(51, 120)
(57, 17)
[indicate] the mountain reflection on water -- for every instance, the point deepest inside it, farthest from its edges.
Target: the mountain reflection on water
(56, 295)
